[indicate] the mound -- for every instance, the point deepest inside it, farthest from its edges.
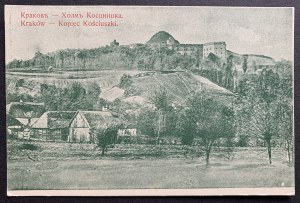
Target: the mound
(161, 38)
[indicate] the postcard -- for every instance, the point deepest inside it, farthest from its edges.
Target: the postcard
(149, 100)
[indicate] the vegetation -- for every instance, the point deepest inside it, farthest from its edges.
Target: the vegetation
(121, 58)
(70, 98)
(264, 108)
(262, 114)
(125, 81)
(105, 137)
(207, 119)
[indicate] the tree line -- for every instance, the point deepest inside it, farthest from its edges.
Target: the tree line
(260, 112)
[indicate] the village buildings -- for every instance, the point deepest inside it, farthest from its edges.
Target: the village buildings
(66, 126)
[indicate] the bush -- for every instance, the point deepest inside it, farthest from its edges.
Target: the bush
(106, 137)
(27, 146)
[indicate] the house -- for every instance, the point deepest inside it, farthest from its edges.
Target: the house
(127, 135)
(14, 127)
(52, 125)
(128, 131)
(85, 122)
(25, 112)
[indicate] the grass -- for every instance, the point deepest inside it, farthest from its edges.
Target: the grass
(75, 166)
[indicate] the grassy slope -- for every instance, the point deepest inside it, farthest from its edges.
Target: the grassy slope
(105, 79)
(179, 85)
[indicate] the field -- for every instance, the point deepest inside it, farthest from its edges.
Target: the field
(80, 166)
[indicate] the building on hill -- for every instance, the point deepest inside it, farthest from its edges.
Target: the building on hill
(164, 39)
(25, 112)
(217, 48)
(114, 43)
(188, 49)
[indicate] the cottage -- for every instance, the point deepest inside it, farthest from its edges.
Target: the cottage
(52, 125)
(14, 127)
(84, 122)
(25, 112)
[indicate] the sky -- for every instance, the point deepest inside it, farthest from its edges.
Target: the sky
(265, 31)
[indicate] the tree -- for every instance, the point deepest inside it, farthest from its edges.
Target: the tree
(285, 126)
(125, 81)
(20, 83)
(185, 128)
(228, 72)
(105, 137)
(285, 107)
(92, 100)
(210, 120)
(70, 98)
(162, 102)
(258, 116)
(245, 64)
(146, 122)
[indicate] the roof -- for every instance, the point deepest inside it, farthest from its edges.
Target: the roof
(189, 45)
(100, 119)
(25, 109)
(212, 43)
(11, 121)
(54, 120)
(63, 119)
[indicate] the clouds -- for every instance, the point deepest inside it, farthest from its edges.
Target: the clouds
(267, 31)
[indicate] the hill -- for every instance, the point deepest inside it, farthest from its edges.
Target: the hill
(179, 86)
(252, 59)
(161, 37)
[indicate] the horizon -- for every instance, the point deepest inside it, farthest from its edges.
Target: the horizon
(245, 30)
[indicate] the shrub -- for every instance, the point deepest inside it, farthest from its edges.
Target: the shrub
(27, 146)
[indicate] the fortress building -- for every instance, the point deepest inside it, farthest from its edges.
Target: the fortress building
(217, 48)
(164, 39)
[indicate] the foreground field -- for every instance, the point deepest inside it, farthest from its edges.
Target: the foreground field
(72, 166)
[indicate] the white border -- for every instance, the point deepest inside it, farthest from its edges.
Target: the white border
(284, 191)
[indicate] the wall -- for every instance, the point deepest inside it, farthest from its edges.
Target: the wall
(217, 48)
(79, 130)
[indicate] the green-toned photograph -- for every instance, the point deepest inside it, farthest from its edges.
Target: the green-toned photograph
(141, 100)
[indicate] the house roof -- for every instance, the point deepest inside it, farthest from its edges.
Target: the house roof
(11, 121)
(25, 109)
(60, 119)
(63, 119)
(55, 120)
(99, 119)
